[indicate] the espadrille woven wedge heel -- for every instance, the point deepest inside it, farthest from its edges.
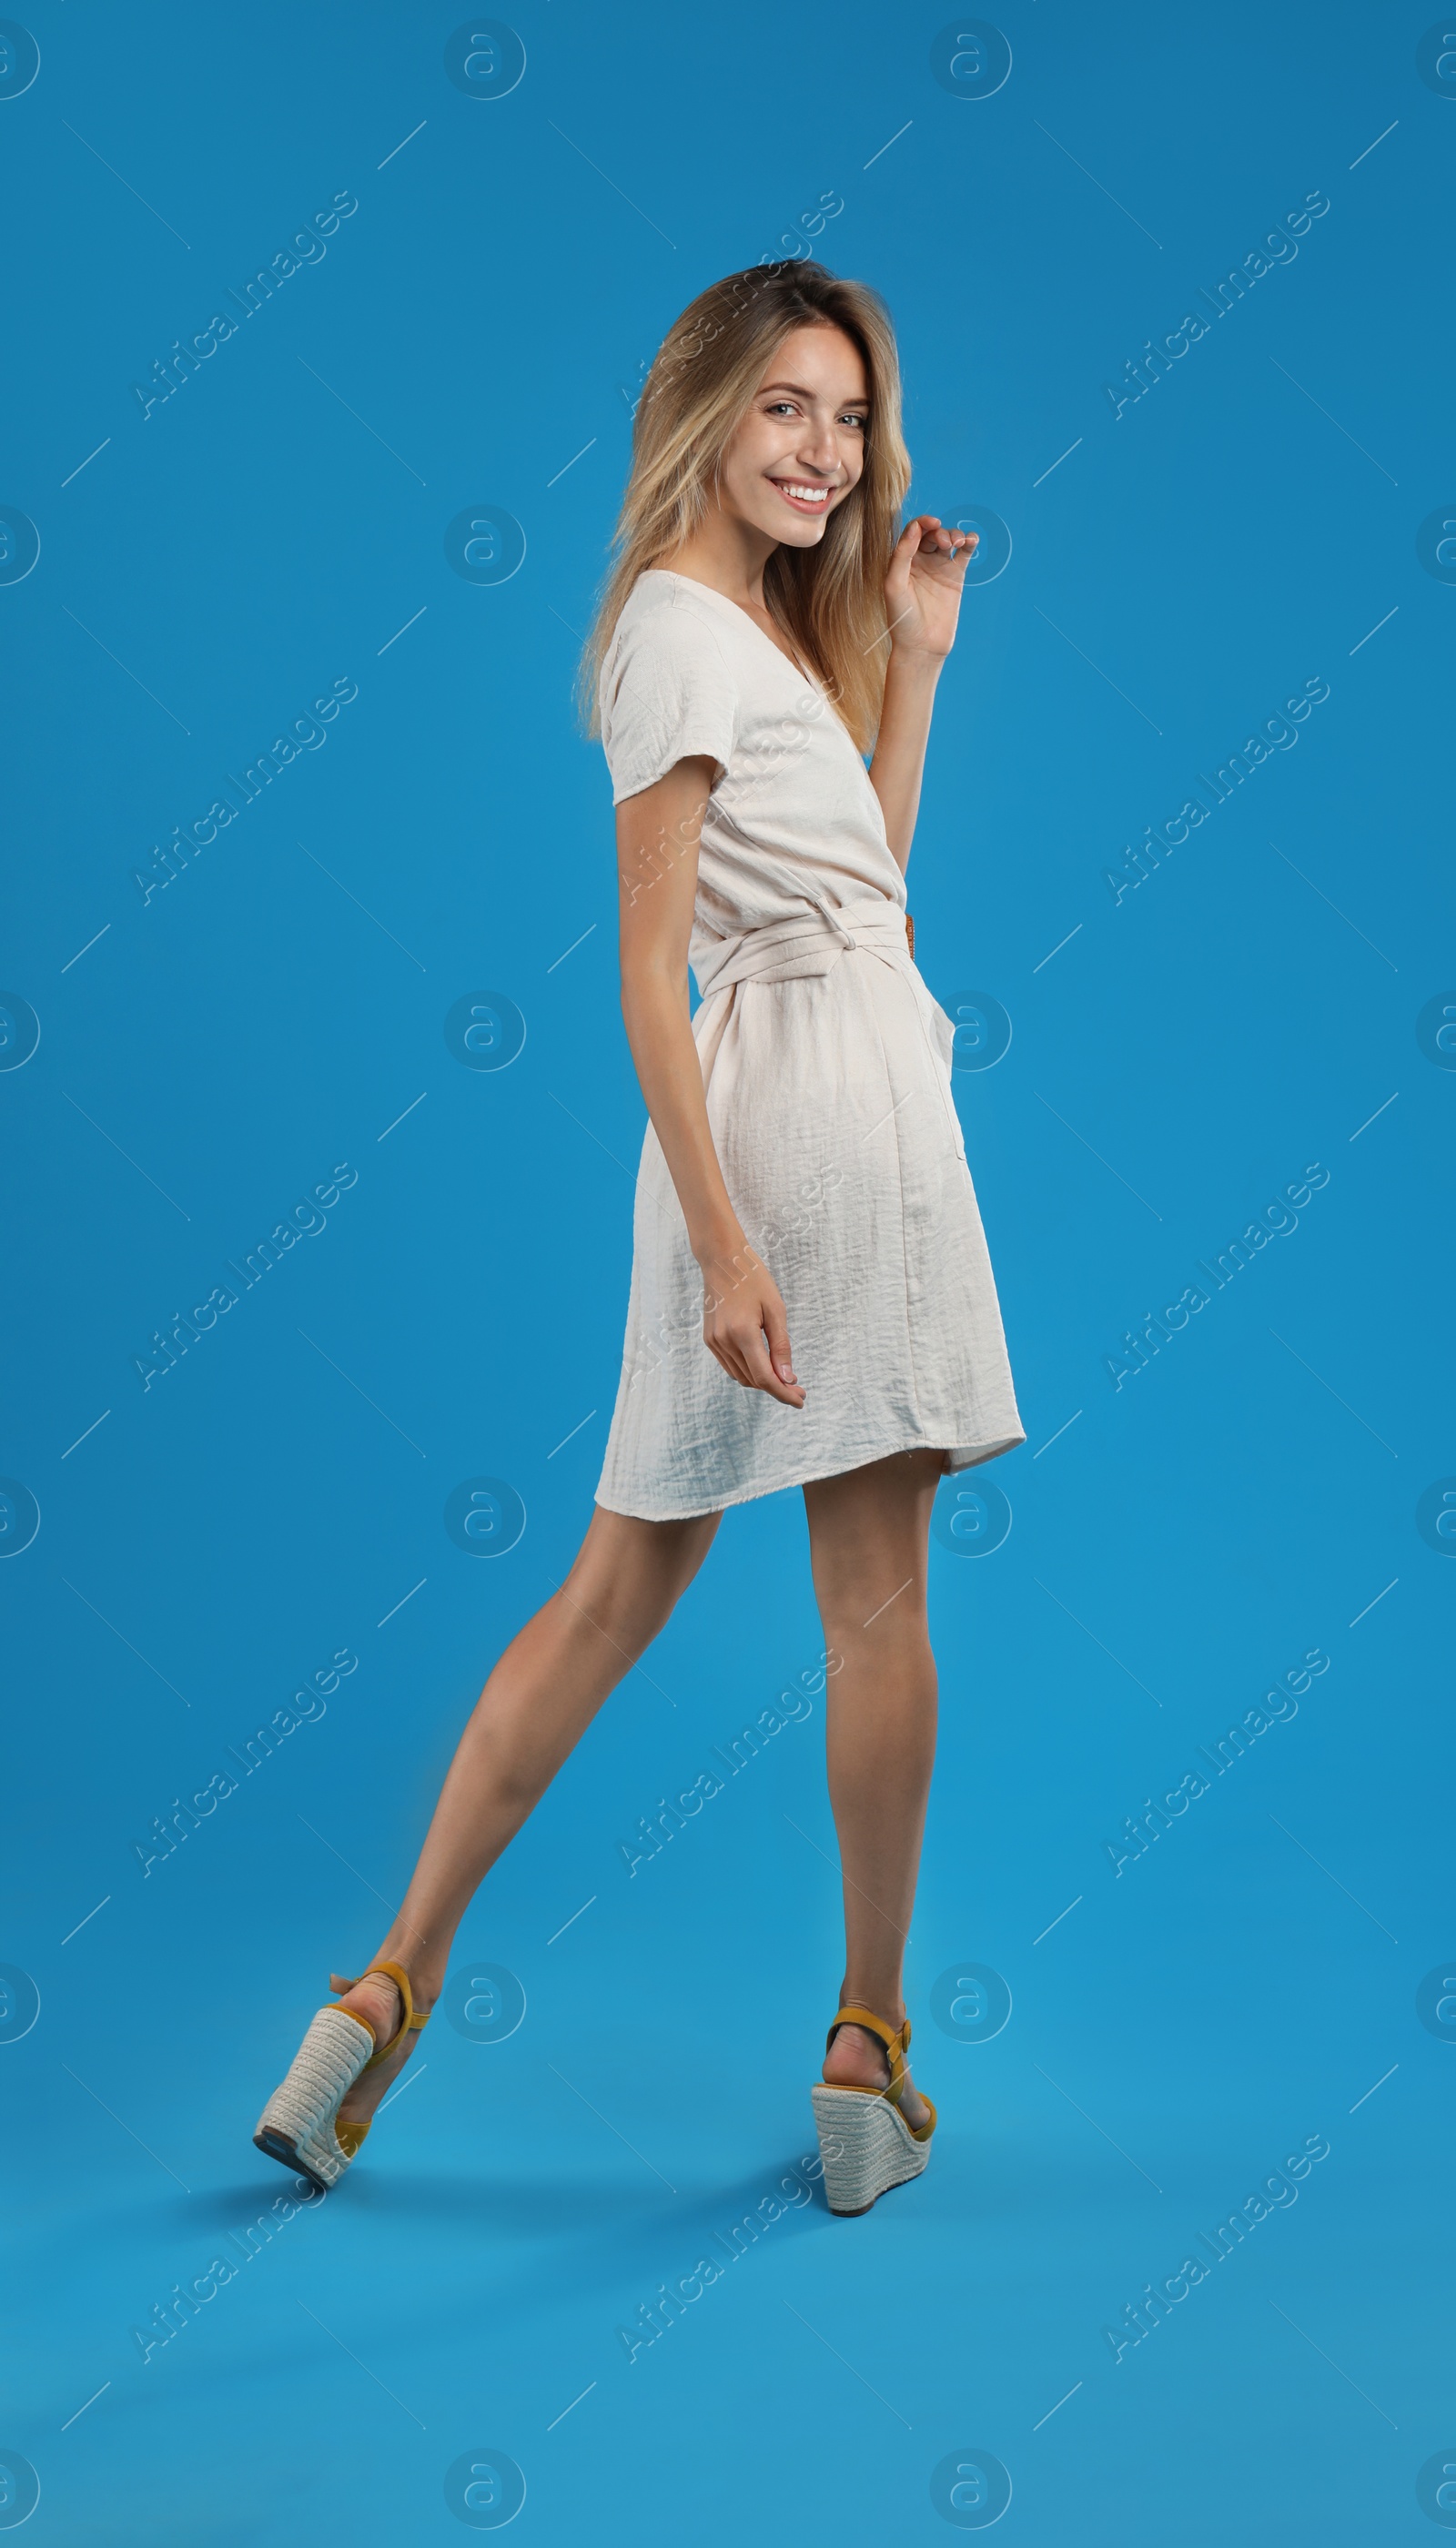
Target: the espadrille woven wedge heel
(299, 2126)
(865, 2141)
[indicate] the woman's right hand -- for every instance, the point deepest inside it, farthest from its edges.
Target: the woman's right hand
(743, 1326)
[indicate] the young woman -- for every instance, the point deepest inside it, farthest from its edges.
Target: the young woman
(812, 1303)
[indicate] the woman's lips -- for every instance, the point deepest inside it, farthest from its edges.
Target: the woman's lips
(804, 495)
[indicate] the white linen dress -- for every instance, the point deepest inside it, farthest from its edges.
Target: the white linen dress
(827, 1069)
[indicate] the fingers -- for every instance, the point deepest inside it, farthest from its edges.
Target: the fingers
(934, 538)
(757, 1362)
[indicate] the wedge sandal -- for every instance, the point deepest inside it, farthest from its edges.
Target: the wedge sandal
(865, 2141)
(299, 2126)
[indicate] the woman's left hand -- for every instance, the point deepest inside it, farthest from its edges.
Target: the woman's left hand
(922, 589)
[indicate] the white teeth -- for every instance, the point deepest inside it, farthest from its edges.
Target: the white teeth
(806, 494)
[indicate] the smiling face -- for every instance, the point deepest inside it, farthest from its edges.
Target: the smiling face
(801, 449)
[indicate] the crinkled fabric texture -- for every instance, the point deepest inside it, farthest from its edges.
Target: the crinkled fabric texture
(827, 1069)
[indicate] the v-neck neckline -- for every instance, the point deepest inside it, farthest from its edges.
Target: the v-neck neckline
(727, 599)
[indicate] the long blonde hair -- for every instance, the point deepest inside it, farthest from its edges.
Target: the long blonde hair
(828, 600)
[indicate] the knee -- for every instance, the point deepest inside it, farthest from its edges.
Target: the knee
(866, 1614)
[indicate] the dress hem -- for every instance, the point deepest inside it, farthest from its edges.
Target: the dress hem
(954, 1457)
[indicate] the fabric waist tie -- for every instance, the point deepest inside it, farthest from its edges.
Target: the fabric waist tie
(809, 944)
(812, 944)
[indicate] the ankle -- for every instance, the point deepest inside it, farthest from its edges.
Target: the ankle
(881, 2003)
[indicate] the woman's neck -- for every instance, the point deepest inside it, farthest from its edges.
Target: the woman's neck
(729, 555)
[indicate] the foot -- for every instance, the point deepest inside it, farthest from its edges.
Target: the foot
(375, 2000)
(856, 2059)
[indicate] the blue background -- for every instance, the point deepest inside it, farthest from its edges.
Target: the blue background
(474, 338)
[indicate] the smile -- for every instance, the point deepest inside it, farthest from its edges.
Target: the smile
(798, 493)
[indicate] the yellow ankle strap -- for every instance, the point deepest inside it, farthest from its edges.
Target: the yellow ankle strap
(896, 2042)
(411, 2020)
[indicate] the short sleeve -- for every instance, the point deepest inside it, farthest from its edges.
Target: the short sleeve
(667, 694)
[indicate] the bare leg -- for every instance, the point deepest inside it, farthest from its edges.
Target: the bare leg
(869, 1534)
(539, 1701)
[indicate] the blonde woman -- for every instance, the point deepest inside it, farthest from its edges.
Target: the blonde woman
(812, 1304)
